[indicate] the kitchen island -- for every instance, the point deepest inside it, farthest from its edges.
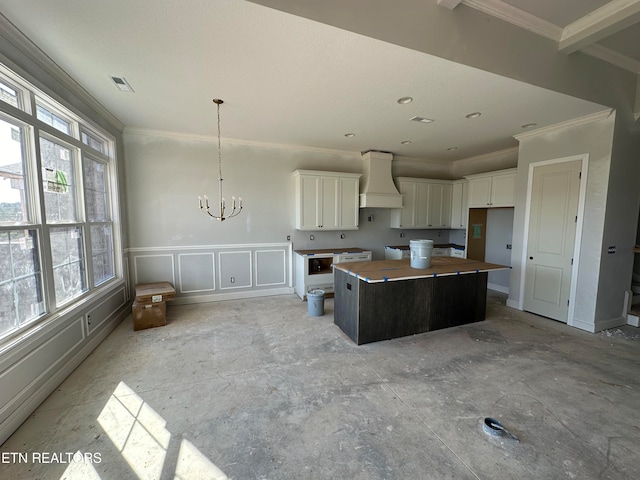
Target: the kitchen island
(388, 299)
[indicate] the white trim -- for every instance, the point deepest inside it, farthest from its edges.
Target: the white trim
(574, 122)
(135, 267)
(221, 283)
(571, 321)
(217, 297)
(498, 288)
(31, 50)
(515, 16)
(611, 56)
(206, 247)
(612, 17)
(500, 154)
(213, 272)
(450, 4)
(284, 267)
(237, 141)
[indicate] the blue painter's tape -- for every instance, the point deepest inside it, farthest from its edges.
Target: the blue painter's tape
(458, 272)
(386, 279)
(366, 279)
(435, 274)
(477, 271)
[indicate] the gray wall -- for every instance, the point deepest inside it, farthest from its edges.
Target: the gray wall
(165, 174)
(595, 139)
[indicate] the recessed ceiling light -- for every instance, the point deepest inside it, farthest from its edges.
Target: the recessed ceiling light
(349, 135)
(405, 100)
(421, 119)
(473, 115)
(406, 142)
(451, 149)
(529, 125)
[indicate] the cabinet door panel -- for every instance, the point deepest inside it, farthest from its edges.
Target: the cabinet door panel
(456, 206)
(480, 192)
(309, 197)
(422, 205)
(329, 211)
(349, 197)
(503, 191)
(445, 217)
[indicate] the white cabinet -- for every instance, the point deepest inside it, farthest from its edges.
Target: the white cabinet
(493, 189)
(426, 204)
(314, 269)
(327, 200)
(459, 204)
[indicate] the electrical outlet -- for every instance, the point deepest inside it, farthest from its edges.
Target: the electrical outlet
(233, 279)
(342, 235)
(401, 234)
(611, 249)
(288, 238)
(311, 237)
(370, 218)
(508, 246)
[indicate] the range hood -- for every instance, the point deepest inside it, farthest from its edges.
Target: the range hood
(378, 190)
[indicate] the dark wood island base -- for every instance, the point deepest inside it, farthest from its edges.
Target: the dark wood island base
(370, 309)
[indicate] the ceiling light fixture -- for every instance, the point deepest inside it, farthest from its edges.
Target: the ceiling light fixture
(405, 100)
(405, 142)
(529, 125)
(349, 135)
(451, 149)
(235, 209)
(421, 120)
(473, 115)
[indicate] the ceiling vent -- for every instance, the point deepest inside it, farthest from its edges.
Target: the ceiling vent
(121, 83)
(378, 191)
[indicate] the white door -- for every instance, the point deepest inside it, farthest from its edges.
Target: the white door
(552, 230)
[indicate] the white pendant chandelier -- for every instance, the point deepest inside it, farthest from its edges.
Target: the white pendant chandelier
(236, 208)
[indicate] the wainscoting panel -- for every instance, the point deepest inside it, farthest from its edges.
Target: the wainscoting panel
(196, 272)
(207, 273)
(154, 268)
(105, 310)
(271, 267)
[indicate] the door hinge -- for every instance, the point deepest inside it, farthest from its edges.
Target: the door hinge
(567, 303)
(572, 261)
(576, 220)
(580, 175)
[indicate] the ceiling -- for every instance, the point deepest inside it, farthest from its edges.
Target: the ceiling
(292, 81)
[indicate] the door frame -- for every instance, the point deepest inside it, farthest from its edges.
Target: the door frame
(578, 239)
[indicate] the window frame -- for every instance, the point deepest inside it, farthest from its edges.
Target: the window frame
(32, 129)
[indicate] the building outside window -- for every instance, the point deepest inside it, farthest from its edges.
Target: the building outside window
(57, 204)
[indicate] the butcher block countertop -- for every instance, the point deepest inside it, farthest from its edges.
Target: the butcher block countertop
(333, 251)
(392, 270)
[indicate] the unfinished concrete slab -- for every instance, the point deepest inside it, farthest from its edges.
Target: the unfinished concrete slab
(258, 389)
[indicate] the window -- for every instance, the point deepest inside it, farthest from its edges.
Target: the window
(13, 198)
(59, 181)
(20, 279)
(57, 188)
(50, 118)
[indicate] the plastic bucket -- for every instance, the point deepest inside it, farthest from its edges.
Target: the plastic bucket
(315, 299)
(421, 253)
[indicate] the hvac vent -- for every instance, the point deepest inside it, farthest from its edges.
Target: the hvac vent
(121, 83)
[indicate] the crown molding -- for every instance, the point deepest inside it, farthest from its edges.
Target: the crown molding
(237, 141)
(18, 39)
(574, 122)
(611, 56)
(515, 16)
(500, 154)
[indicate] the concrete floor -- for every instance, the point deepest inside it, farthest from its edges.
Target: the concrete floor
(257, 389)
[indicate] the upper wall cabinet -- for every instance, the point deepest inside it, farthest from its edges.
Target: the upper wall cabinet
(459, 204)
(492, 189)
(426, 204)
(326, 200)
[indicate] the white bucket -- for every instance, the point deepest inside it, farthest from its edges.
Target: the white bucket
(421, 253)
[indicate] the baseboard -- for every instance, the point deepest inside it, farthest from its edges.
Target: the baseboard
(498, 288)
(217, 297)
(29, 405)
(598, 326)
(513, 304)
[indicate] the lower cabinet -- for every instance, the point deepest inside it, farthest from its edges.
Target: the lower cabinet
(314, 269)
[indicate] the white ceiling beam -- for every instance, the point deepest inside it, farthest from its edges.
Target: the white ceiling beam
(601, 23)
(450, 4)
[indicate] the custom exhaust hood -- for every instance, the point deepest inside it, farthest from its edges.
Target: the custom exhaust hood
(378, 190)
